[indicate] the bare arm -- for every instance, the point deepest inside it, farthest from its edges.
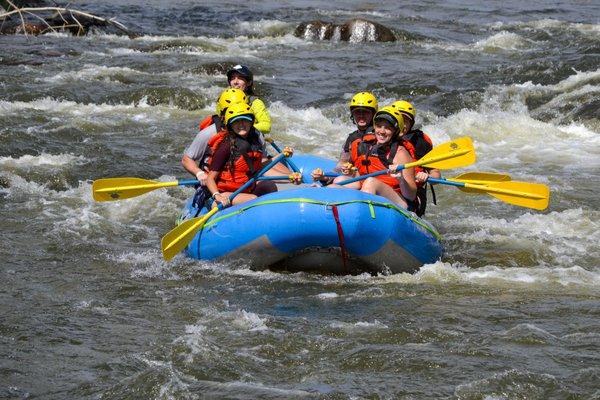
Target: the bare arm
(408, 186)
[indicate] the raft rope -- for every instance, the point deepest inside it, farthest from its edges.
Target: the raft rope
(340, 231)
(371, 204)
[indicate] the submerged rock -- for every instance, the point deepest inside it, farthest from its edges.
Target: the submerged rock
(354, 31)
(4, 182)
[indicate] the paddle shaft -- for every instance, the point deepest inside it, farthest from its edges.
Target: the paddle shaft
(424, 161)
(486, 188)
(260, 173)
(150, 186)
(274, 178)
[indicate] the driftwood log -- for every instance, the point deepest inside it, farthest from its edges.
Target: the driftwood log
(16, 19)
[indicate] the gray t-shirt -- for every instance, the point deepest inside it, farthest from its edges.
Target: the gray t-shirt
(197, 150)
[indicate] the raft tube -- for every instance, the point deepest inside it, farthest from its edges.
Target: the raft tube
(332, 230)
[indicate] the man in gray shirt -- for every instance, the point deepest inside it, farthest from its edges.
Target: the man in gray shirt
(195, 153)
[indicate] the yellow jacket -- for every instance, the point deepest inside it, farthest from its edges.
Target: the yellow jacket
(261, 116)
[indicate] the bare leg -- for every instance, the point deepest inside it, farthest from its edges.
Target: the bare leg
(278, 169)
(354, 185)
(243, 197)
(375, 186)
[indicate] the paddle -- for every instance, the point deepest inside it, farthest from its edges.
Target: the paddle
(523, 194)
(454, 154)
(293, 177)
(481, 178)
(289, 162)
(179, 237)
(111, 189)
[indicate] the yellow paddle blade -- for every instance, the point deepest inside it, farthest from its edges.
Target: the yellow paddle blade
(454, 154)
(523, 194)
(479, 178)
(110, 189)
(178, 238)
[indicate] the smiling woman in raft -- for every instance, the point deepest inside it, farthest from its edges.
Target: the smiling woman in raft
(380, 151)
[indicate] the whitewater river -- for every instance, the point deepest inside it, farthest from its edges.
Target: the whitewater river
(88, 308)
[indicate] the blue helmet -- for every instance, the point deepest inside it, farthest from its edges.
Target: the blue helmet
(242, 70)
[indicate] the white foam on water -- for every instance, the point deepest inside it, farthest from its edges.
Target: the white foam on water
(446, 46)
(176, 385)
(44, 160)
(63, 106)
(260, 390)
(99, 114)
(201, 338)
(248, 321)
(327, 295)
(512, 384)
(569, 237)
(507, 135)
(529, 332)
(583, 338)
(580, 78)
(91, 72)
(198, 341)
(147, 264)
(74, 214)
(352, 13)
(89, 305)
(542, 278)
(21, 189)
(264, 27)
(503, 41)
(593, 30)
(242, 46)
(358, 326)
(310, 128)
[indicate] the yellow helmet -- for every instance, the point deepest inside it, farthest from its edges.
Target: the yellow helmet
(229, 97)
(364, 99)
(391, 115)
(238, 111)
(405, 108)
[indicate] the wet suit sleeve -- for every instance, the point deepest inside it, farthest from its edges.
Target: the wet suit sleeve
(263, 119)
(220, 157)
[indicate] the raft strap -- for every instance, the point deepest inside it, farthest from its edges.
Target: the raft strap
(340, 231)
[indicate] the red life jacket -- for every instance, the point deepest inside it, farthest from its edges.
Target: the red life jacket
(368, 157)
(356, 136)
(417, 143)
(247, 159)
(209, 120)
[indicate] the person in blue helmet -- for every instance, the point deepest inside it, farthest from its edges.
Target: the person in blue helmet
(240, 77)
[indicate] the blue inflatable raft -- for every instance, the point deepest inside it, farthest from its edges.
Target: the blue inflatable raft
(317, 229)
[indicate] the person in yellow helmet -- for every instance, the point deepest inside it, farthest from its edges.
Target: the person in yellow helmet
(196, 151)
(363, 106)
(226, 98)
(378, 151)
(240, 77)
(418, 143)
(237, 154)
